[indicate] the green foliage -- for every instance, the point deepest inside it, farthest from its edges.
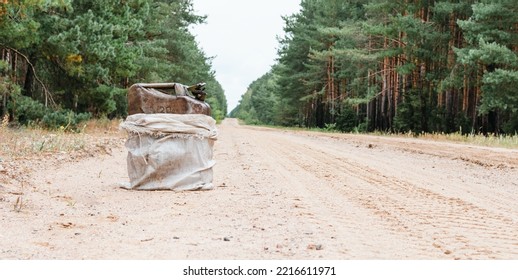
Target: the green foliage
(463, 123)
(347, 120)
(490, 58)
(500, 91)
(30, 112)
(26, 110)
(492, 54)
(511, 126)
(64, 119)
(408, 115)
(7, 87)
(87, 53)
(417, 66)
(259, 104)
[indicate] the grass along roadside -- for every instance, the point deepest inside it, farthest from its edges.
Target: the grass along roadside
(492, 140)
(26, 149)
(26, 142)
(503, 141)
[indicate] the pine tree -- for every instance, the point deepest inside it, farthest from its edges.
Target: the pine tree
(490, 64)
(409, 65)
(83, 55)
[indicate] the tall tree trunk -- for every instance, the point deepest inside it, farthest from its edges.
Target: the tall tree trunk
(29, 77)
(14, 58)
(333, 90)
(423, 98)
(385, 79)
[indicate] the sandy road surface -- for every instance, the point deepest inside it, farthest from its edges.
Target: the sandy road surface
(280, 195)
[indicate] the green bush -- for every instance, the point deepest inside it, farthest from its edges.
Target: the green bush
(28, 111)
(7, 87)
(346, 121)
(64, 119)
(218, 115)
(511, 127)
(463, 122)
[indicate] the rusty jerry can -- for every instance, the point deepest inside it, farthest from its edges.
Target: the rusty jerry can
(170, 98)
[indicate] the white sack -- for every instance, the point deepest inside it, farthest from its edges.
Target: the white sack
(169, 151)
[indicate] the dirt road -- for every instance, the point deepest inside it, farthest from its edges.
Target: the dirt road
(280, 195)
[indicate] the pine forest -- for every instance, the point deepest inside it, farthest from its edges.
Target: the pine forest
(65, 61)
(394, 66)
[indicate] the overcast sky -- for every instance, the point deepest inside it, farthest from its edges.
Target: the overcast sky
(241, 35)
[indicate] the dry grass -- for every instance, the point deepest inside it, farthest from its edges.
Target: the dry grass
(504, 141)
(29, 142)
(26, 149)
(102, 126)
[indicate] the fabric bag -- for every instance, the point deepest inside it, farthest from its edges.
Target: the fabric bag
(170, 151)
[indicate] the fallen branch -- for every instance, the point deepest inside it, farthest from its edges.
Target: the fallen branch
(48, 94)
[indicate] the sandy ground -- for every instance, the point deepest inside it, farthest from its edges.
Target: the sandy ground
(280, 195)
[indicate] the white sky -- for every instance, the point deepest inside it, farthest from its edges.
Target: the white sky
(241, 35)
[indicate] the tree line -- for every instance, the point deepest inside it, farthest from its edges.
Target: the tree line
(65, 61)
(399, 66)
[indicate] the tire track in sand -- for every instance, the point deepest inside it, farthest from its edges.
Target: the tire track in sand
(360, 234)
(434, 222)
